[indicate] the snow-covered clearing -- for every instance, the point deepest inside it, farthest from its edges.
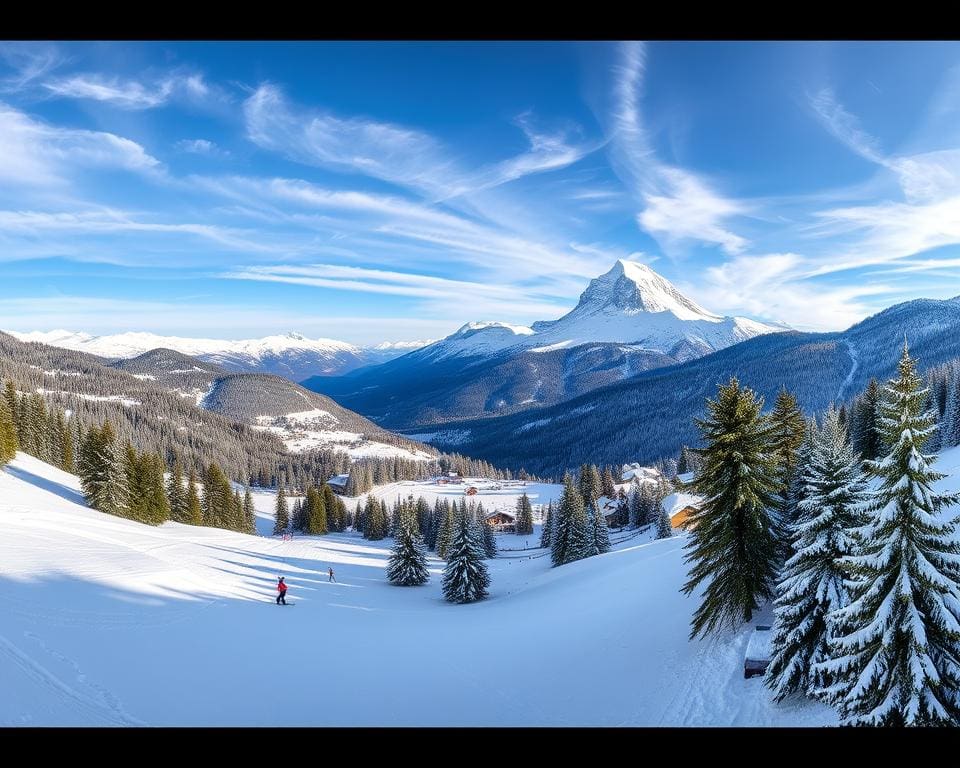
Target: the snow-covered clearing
(108, 622)
(493, 494)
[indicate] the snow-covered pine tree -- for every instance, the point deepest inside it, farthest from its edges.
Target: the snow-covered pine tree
(465, 576)
(895, 649)
(407, 566)
(546, 527)
(571, 535)
(733, 548)
(524, 524)
(812, 583)
(281, 513)
(599, 534)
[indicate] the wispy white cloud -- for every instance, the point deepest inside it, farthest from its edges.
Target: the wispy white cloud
(128, 94)
(104, 221)
(439, 292)
(405, 156)
(677, 204)
(28, 63)
(36, 153)
(928, 216)
(776, 287)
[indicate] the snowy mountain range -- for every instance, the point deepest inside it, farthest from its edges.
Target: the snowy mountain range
(291, 355)
(627, 321)
(650, 415)
(631, 304)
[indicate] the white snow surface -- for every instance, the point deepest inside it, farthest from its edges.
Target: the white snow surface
(317, 428)
(630, 304)
(109, 622)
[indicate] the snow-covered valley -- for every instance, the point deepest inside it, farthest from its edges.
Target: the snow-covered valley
(109, 622)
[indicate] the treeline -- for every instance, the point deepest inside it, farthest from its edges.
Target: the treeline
(860, 555)
(366, 474)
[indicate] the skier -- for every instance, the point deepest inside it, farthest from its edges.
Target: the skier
(282, 592)
(330, 576)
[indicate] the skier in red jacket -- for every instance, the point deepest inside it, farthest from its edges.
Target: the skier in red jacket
(282, 590)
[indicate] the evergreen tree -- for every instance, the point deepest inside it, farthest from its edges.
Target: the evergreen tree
(600, 535)
(155, 507)
(465, 576)
(664, 526)
(609, 486)
(422, 516)
(788, 428)
(194, 509)
(249, 512)
(571, 539)
(546, 528)
(638, 512)
(487, 539)
(623, 510)
(733, 546)
(336, 517)
(177, 494)
(866, 437)
(445, 534)
(812, 584)
(102, 475)
(951, 415)
(524, 524)
(217, 498)
(281, 514)
(407, 565)
(895, 649)
(297, 519)
(8, 433)
(315, 512)
(590, 482)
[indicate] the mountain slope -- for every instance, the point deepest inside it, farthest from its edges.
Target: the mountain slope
(291, 355)
(627, 321)
(651, 415)
(154, 401)
(109, 622)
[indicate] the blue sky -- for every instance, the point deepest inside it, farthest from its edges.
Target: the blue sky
(394, 191)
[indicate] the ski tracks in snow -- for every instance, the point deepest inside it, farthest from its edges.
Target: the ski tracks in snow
(82, 694)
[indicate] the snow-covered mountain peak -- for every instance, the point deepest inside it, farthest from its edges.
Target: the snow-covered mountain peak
(631, 288)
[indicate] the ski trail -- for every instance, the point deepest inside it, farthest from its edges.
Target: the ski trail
(102, 704)
(855, 363)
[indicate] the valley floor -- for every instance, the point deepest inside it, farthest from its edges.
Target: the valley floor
(108, 622)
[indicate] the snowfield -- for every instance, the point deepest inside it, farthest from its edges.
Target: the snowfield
(108, 622)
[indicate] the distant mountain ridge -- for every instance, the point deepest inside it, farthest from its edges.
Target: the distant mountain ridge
(628, 320)
(292, 355)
